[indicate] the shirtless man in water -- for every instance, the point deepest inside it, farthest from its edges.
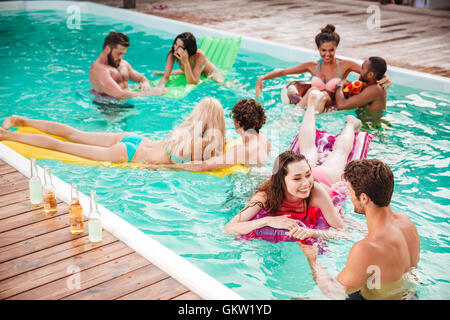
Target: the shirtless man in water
(372, 98)
(377, 265)
(109, 74)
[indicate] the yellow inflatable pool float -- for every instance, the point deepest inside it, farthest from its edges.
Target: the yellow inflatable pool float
(30, 151)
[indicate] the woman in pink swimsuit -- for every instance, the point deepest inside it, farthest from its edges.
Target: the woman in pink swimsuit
(326, 73)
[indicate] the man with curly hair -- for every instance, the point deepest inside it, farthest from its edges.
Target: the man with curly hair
(248, 116)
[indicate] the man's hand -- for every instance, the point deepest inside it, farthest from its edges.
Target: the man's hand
(145, 86)
(300, 233)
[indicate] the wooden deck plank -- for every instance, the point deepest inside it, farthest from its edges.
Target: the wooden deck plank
(14, 197)
(17, 208)
(59, 289)
(36, 229)
(165, 289)
(12, 182)
(44, 241)
(5, 168)
(122, 285)
(28, 217)
(79, 244)
(60, 269)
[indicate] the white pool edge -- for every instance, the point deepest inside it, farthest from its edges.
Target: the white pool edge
(177, 267)
(294, 54)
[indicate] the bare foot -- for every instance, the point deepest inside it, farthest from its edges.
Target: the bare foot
(355, 122)
(10, 122)
(314, 97)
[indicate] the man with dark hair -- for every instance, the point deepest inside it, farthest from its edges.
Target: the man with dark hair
(376, 265)
(248, 117)
(373, 96)
(109, 74)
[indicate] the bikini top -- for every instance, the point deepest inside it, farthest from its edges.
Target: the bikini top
(330, 86)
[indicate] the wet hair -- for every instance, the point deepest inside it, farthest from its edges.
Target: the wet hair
(372, 177)
(115, 38)
(190, 44)
(249, 114)
(378, 66)
(275, 187)
(327, 34)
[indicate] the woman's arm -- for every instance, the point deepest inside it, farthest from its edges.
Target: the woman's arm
(167, 70)
(366, 96)
(351, 66)
(302, 68)
(242, 223)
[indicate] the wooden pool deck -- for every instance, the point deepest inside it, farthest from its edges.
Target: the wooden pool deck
(41, 259)
(407, 37)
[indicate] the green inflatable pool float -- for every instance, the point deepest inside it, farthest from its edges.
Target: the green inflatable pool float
(221, 52)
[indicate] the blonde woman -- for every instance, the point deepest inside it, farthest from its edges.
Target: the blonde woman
(199, 137)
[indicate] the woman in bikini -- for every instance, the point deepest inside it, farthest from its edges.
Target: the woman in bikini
(297, 185)
(326, 73)
(193, 61)
(199, 137)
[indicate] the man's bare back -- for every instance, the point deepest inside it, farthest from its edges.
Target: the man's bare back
(379, 102)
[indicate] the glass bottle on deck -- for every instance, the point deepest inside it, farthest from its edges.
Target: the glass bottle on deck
(95, 221)
(50, 206)
(35, 184)
(75, 211)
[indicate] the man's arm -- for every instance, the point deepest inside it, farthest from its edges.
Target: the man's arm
(137, 77)
(144, 83)
(352, 277)
(366, 96)
(111, 87)
(301, 68)
(234, 156)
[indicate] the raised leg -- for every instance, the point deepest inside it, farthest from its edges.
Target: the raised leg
(115, 153)
(307, 132)
(102, 139)
(319, 103)
(333, 165)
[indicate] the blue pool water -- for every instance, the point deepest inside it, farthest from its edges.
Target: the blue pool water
(44, 67)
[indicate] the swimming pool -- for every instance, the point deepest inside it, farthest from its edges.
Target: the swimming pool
(45, 75)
